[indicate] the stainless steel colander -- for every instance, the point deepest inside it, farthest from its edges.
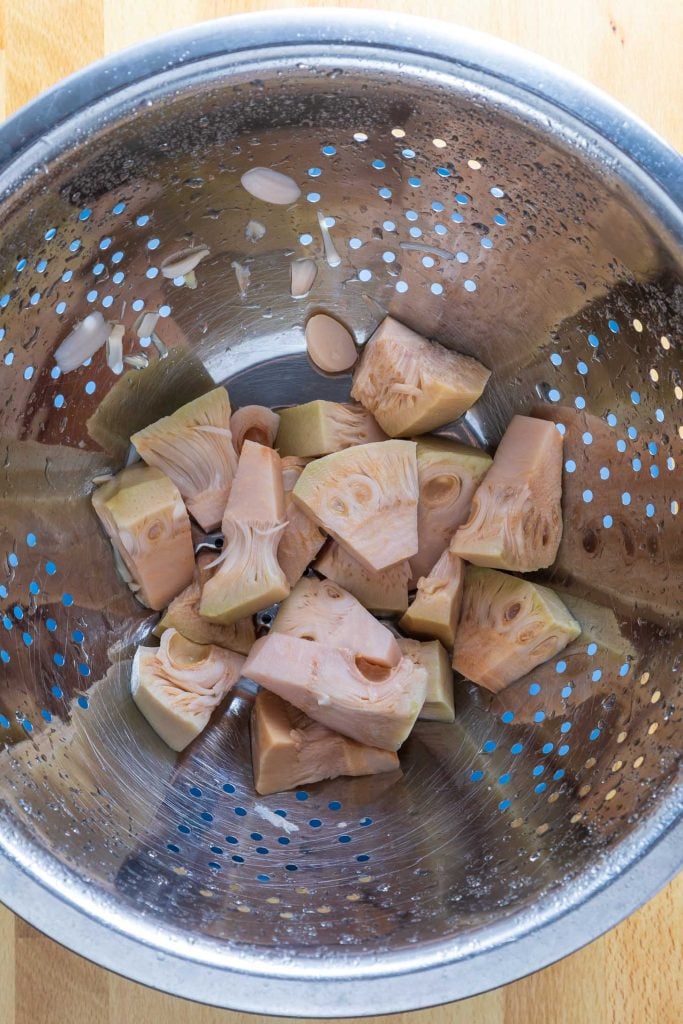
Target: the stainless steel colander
(489, 201)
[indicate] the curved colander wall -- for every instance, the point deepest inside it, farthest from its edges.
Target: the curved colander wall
(485, 201)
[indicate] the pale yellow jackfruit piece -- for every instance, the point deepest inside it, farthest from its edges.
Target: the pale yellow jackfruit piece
(384, 592)
(183, 615)
(144, 515)
(448, 474)
(411, 385)
(289, 749)
(373, 704)
(320, 428)
(302, 539)
(439, 705)
(507, 627)
(178, 685)
(322, 611)
(193, 447)
(254, 423)
(366, 498)
(592, 667)
(435, 609)
(249, 576)
(516, 514)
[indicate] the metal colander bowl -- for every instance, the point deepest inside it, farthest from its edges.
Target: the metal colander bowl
(488, 201)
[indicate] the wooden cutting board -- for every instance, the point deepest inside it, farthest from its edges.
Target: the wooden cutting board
(632, 50)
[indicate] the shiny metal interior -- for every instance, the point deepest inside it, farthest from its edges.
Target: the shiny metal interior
(482, 221)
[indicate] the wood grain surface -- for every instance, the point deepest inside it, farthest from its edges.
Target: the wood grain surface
(630, 48)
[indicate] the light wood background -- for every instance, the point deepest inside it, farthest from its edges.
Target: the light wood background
(630, 48)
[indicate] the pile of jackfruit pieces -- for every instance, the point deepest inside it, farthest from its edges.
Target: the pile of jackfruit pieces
(338, 513)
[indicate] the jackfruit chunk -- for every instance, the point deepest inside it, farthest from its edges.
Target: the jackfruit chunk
(289, 749)
(516, 516)
(370, 703)
(439, 705)
(320, 610)
(448, 474)
(144, 515)
(366, 498)
(254, 423)
(302, 539)
(249, 576)
(594, 664)
(411, 385)
(435, 609)
(507, 627)
(178, 685)
(384, 592)
(183, 615)
(193, 447)
(320, 428)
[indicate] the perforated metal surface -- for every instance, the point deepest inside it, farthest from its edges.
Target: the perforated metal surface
(460, 214)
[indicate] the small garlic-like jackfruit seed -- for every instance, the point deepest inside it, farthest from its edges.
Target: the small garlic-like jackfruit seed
(138, 362)
(350, 492)
(412, 385)
(435, 609)
(249, 577)
(178, 685)
(379, 712)
(448, 474)
(331, 254)
(144, 515)
(302, 277)
(114, 349)
(182, 263)
(330, 345)
(384, 592)
(320, 428)
(507, 627)
(146, 323)
(515, 518)
(82, 342)
(289, 749)
(194, 448)
(254, 423)
(439, 705)
(270, 186)
(322, 611)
